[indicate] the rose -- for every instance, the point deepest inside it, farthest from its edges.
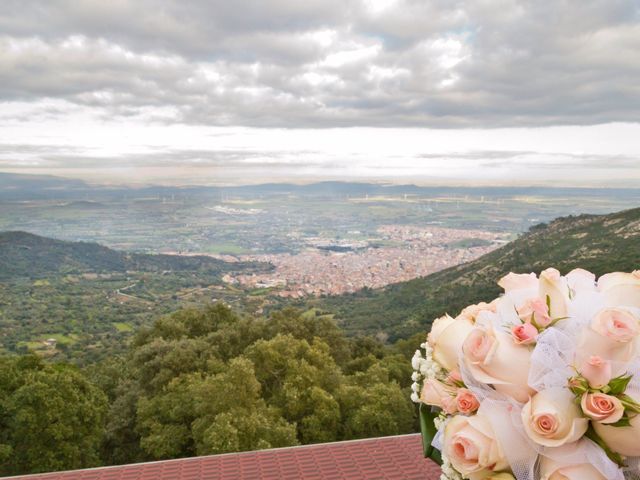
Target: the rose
(500, 476)
(446, 337)
(602, 408)
(471, 312)
(471, 446)
(524, 334)
(434, 393)
(519, 287)
(466, 401)
(621, 288)
(580, 280)
(551, 418)
(492, 357)
(554, 287)
(616, 323)
(597, 371)
(535, 309)
(553, 470)
(612, 335)
(623, 440)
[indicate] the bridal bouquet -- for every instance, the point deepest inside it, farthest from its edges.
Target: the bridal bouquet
(542, 383)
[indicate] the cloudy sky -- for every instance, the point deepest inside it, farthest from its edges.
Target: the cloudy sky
(217, 92)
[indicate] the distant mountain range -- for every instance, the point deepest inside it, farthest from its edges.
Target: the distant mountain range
(14, 187)
(599, 243)
(23, 254)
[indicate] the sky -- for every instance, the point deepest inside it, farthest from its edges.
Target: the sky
(500, 92)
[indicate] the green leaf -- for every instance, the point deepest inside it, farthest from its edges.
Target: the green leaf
(629, 403)
(623, 422)
(613, 456)
(548, 304)
(428, 429)
(619, 384)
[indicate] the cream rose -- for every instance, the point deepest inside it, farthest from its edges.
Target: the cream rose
(519, 287)
(613, 335)
(471, 312)
(446, 337)
(551, 418)
(621, 288)
(492, 357)
(436, 393)
(602, 408)
(623, 440)
(500, 476)
(471, 447)
(554, 286)
(553, 470)
(580, 280)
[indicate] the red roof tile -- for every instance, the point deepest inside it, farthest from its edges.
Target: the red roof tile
(398, 457)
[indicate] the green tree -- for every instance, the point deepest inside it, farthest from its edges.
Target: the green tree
(52, 417)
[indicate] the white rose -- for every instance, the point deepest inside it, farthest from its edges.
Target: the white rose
(621, 288)
(554, 286)
(613, 335)
(623, 440)
(493, 358)
(446, 337)
(471, 447)
(553, 470)
(518, 286)
(580, 280)
(552, 418)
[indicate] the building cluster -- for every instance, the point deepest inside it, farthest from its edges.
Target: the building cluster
(408, 252)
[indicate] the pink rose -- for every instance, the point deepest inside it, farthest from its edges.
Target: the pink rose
(551, 418)
(623, 440)
(554, 286)
(524, 334)
(454, 376)
(602, 408)
(621, 288)
(553, 470)
(597, 371)
(435, 393)
(466, 401)
(537, 309)
(446, 337)
(580, 280)
(492, 357)
(471, 446)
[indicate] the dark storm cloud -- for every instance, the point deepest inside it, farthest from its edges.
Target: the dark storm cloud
(325, 63)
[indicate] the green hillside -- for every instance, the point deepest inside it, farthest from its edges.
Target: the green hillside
(23, 254)
(82, 301)
(599, 243)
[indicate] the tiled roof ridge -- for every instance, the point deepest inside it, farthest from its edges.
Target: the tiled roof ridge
(218, 456)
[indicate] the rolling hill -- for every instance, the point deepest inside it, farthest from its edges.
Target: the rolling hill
(82, 301)
(23, 254)
(599, 243)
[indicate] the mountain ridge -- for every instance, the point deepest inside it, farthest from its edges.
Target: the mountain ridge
(49, 256)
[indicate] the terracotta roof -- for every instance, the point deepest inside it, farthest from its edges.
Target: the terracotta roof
(398, 457)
